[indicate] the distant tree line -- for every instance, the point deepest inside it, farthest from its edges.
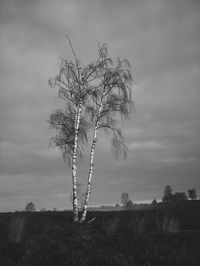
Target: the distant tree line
(127, 204)
(168, 196)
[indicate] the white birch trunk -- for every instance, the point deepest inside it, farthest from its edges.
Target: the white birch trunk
(74, 162)
(90, 175)
(91, 166)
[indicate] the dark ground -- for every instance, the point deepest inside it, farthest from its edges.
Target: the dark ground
(166, 235)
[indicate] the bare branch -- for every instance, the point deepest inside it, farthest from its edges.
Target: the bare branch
(75, 57)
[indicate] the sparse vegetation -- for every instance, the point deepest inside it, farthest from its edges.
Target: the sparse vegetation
(167, 235)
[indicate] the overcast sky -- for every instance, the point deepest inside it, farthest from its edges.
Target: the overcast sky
(161, 39)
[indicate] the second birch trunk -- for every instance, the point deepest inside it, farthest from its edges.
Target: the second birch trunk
(90, 174)
(91, 164)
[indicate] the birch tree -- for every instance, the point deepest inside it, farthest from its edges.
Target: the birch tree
(75, 84)
(96, 96)
(110, 101)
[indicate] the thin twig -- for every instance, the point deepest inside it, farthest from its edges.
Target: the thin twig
(91, 220)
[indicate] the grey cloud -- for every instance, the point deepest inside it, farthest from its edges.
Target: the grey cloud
(161, 41)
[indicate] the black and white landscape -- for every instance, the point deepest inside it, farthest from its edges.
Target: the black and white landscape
(128, 131)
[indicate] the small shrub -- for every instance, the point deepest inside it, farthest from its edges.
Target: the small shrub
(111, 227)
(15, 229)
(170, 224)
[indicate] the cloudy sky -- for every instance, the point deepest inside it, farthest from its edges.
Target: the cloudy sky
(161, 39)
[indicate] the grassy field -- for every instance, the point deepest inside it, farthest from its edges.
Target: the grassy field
(161, 236)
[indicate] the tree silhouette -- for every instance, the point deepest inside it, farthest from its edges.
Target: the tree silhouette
(129, 205)
(179, 196)
(30, 207)
(192, 194)
(124, 198)
(167, 194)
(154, 203)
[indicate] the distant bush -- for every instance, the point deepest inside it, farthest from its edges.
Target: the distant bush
(179, 196)
(30, 207)
(167, 194)
(154, 203)
(192, 194)
(129, 205)
(124, 198)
